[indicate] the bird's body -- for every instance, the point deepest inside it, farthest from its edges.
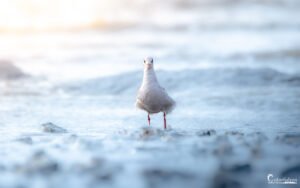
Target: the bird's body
(151, 96)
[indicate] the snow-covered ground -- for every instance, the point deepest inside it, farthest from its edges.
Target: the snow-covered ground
(67, 115)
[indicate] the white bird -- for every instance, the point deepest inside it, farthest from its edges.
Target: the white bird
(151, 96)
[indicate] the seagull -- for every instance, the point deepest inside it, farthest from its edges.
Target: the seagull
(151, 97)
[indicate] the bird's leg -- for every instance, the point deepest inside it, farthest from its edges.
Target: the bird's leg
(149, 119)
(165, 121)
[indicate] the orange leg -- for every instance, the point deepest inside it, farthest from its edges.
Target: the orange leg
(149, 119)
(165, 121)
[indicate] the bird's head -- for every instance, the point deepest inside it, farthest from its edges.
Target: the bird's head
(148, 62)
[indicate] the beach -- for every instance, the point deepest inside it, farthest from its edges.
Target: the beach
(67, 114)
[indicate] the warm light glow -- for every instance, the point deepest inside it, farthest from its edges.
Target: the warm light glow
(23, 15)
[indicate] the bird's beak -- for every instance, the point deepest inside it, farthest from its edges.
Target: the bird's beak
(148, 65)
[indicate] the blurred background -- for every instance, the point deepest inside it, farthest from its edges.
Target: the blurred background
(86, 37)
(229, 64)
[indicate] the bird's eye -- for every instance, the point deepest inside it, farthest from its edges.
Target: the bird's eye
(144, 61)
